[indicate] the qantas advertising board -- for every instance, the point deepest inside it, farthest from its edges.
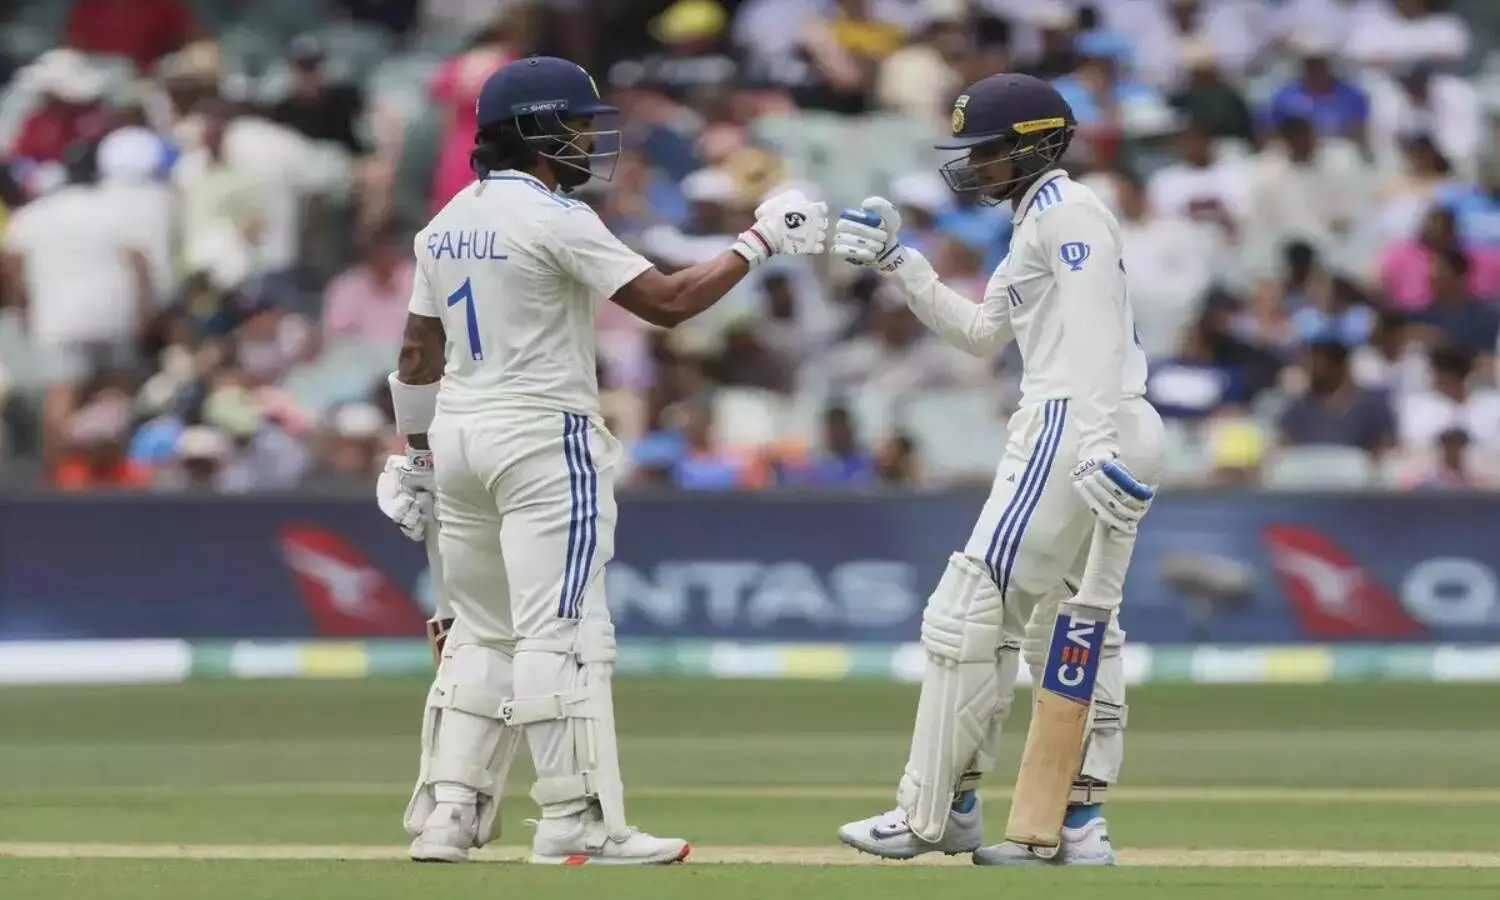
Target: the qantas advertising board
(1210, 567)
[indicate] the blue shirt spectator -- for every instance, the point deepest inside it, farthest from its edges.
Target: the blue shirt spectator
(1335, 107)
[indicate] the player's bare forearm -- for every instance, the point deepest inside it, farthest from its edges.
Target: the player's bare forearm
(421, 360)
(670, 300)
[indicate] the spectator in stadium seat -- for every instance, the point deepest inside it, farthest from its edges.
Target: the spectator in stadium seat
(1209, 99)
(1099, 92)
(1192, 385)
(222, 211)
(81, 317)
(1426, 180)
(839, 460)
(355, 443)
(71, 109)
(1456, 316)
(1421, 99)
(1405, 267)
(1406, 31)
(1337, 107)
(1334, 410)
(920, 79)
(846, 50)
(1395, 359)
(95, 436)
(368, 301)
(1450, 403)
(141, 30)
(1169, 264)
(455, 89)
(897, 463)
(897, 355)
(1231, 29)
(1449, 465)
(1200, 186)
(1300, 191)
(315, 107)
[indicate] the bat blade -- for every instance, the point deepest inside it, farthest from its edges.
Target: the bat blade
(1059, 721)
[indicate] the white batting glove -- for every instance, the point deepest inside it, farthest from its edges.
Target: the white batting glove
(787, 223)
(870, 235)
(409, 505)
(1116, 498)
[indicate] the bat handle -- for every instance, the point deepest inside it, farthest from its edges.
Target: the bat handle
(1103, 583)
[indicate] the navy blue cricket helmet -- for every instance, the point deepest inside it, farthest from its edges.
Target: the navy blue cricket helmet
(1014, 118)
(543, 106)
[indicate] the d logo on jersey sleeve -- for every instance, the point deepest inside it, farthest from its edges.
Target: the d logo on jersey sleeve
(1073, 254)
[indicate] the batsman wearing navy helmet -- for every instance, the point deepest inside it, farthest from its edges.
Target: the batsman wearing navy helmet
(1040, 576)
(496, 393)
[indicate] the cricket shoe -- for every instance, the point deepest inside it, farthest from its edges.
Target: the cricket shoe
(889, 836)
(582, 841)
(1086, 845)
(448, 834)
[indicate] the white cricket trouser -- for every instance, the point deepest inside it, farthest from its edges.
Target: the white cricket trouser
(527, 507)
(1034, 531)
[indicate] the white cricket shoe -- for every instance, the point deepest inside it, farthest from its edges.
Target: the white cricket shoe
(889, 836)
(1086, 845)
(448, 834)
(581, 840)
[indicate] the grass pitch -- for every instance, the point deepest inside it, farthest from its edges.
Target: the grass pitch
(245, 790)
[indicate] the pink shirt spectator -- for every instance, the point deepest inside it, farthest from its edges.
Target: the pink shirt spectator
(356, 304)
(1404, 274)
(456, 87)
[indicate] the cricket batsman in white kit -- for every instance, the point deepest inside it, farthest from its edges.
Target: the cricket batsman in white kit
(496, 393)
(1083, 452)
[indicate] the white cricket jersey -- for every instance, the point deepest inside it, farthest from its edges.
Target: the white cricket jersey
(515, 271)
(1060, 294)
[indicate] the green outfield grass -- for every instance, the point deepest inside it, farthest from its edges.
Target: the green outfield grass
(1289, 791)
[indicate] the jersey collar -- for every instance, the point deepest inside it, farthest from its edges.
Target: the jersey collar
(1023, 206)
(516, 175)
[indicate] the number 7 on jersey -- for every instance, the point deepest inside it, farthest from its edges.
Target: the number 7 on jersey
(465, 295)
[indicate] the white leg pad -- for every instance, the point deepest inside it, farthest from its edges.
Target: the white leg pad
(464, 740)
(961, 692)
(1104, 742)
(571, 723)
(1006, 669)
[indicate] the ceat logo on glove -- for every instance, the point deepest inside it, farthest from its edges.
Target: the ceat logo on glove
(795, 220)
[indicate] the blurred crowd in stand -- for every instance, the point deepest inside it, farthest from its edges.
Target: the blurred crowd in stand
(207, 207)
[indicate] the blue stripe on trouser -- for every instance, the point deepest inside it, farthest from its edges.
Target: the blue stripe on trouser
(1050, 453)
(583, 527)
(1012, 523)
(1008, 516)
(591, 518)
(575, 503)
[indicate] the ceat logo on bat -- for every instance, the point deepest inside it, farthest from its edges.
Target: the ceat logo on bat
(1073, 659)
(1332, 595)
(344, 594)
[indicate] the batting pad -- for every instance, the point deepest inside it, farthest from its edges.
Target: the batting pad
(961, 692)
(464, 740)
(571, 729)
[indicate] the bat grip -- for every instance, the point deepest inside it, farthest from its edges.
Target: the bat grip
(862, 216)
(1103, 583)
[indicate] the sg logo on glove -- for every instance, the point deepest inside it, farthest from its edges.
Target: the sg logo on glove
(795, 220)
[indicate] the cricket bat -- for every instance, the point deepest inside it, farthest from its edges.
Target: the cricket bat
(442, 616)
(1060, 710)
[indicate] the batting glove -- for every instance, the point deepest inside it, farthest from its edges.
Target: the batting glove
(1112, 493)
(870, 235)
(787, 223)
(409, 505)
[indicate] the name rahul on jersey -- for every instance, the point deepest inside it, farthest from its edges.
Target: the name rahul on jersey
(463, 245)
